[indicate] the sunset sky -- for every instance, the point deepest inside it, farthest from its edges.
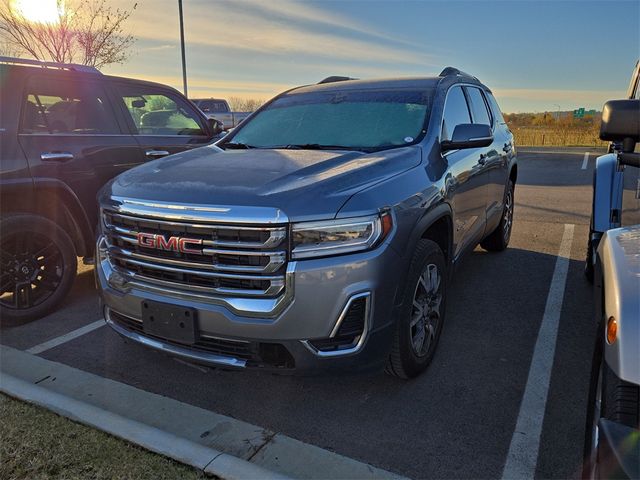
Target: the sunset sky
(536, 56)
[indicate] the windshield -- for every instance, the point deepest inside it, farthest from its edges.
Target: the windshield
(355, 120)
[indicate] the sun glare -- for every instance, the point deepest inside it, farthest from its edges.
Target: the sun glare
(38, 11)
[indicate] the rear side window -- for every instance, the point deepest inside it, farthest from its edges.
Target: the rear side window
(64, 107)
(495, 109)
(212, 106)
(155, 112)
(478, 107)
(456, 112)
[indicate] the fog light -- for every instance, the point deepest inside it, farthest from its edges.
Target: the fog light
(612, 330)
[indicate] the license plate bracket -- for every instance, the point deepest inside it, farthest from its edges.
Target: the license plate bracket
(172, 322)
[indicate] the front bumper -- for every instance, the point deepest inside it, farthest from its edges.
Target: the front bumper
(280, 333)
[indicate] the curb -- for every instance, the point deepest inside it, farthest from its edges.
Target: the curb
(203, 458)
(213, 443)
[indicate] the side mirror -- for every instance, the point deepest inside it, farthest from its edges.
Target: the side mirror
(468, 135)
(215, 126)
(140, 103)
(621, 122)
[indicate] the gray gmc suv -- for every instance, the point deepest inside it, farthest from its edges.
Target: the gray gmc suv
(318, 235)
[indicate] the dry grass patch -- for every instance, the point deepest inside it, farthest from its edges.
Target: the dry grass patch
(38, 444)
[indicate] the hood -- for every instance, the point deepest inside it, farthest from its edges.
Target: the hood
(304, 184)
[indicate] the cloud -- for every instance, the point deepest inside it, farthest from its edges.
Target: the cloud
(287, 29)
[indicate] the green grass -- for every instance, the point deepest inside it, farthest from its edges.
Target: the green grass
(38, 444)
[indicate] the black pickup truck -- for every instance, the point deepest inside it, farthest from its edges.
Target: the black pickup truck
(65, 130)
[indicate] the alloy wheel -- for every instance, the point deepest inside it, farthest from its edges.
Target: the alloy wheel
(425, 312)
(508, 215)
(32, 269)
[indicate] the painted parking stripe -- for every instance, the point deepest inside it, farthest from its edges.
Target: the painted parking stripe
(67, 337)
(523, 452)
(585, 162)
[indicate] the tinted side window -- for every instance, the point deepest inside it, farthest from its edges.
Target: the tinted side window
(495, 109)
(55, 106)
(160, 113)
(456, 112)
(478, 106)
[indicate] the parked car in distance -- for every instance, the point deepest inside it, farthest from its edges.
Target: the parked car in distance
(612, 441)
(616, 190)
(219, 109)
(65, 130)
(318, 235)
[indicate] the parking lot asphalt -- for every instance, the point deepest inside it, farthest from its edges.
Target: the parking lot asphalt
(455, 421)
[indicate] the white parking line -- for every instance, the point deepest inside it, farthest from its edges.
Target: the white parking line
(525, 443)
(67, 337)
(585, 162)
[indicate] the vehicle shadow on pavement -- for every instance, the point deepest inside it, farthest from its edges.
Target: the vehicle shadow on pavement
(459, 415)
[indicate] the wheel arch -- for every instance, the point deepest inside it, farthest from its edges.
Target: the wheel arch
(51, 199)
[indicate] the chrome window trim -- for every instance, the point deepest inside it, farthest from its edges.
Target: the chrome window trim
(361, 341)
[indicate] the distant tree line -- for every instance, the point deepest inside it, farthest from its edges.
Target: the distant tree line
(238, 104)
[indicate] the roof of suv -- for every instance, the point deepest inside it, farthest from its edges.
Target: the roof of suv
(448, 77)
(71, 70)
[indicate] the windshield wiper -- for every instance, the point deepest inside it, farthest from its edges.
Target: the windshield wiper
(236, 145)
(314, 146)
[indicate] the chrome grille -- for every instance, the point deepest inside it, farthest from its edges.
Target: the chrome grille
(229, 260)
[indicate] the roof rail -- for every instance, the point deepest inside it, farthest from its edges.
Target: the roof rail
(38, 63)
(335, 78)
(454, 71)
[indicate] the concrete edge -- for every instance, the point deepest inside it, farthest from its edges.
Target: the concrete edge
(203, 458)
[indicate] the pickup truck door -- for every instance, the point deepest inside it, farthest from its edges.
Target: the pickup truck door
(161, 120)
(468, 179)
(630, 214)
(69, 133)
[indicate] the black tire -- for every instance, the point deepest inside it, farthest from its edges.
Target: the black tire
(38, 262)
(498, 240)
(589, 270)
(406, 360)
(594, 408)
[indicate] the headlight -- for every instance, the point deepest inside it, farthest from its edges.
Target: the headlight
(336, 237)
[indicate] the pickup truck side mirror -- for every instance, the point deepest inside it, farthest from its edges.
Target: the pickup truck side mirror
(468, 135)
(621, 122)
(215, 126)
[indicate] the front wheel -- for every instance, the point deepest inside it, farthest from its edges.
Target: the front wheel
(38, 265)
(498, 240)
(422, 313)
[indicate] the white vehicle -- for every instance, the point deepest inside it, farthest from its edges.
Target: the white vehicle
(219, 109)
(612, 443)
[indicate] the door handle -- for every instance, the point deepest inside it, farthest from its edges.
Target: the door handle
(156, 153)
(483, 159)
(56, 156)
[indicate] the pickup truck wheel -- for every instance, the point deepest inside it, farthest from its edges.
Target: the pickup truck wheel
(38, 263)
(422, 313)
(498, 240)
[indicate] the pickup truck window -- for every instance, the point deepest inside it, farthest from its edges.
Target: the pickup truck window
(212, 106)
(352, 119)
(456, 112)
(155, 113)
(62, 107)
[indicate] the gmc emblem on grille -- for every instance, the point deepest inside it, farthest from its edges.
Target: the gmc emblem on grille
(171, 244)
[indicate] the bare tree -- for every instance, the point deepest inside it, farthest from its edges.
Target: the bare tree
(89, 32)
(238, 104)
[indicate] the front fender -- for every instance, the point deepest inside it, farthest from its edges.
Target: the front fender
(607, 193)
